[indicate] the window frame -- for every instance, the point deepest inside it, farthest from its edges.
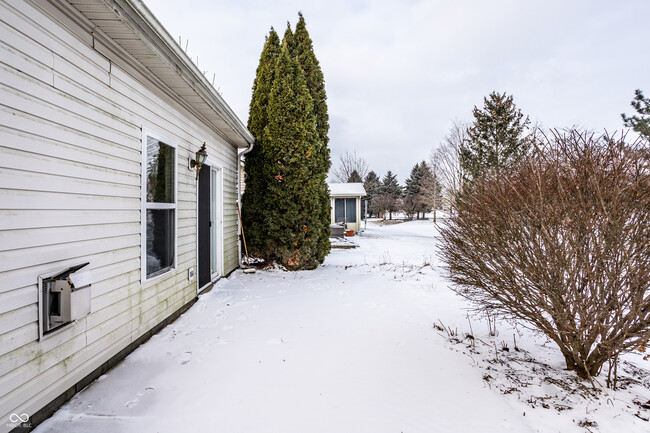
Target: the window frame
(345, 209)
(352, 200)
(145, 206)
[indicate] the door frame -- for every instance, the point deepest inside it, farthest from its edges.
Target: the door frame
(216, 230)
(216, 173)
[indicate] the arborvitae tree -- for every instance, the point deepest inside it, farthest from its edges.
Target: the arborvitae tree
(254, 197)
(296, 174)
(372, 185)
(354, 177)
(303, 51)
(496, 138)
(286, 206)
(640, 123)
(288, 39)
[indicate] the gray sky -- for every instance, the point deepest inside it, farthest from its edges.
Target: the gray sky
(397, 73)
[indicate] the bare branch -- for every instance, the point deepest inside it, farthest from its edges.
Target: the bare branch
(348, 163)
(562, 243)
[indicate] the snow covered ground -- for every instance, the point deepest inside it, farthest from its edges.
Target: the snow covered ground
(372, 341)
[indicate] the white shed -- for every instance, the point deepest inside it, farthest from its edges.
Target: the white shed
(101, 113)
(346, 204)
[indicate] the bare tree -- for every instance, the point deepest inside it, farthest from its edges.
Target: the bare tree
(561, 242)
(445, 162)
(386, 204)
(348, 164)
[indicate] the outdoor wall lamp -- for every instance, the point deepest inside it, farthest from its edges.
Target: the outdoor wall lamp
(201, 156)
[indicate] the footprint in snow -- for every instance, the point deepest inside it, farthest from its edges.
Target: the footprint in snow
(185, 358)
(136, 401)
(133, 403)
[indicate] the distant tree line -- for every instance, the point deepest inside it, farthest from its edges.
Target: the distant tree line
(421, 193)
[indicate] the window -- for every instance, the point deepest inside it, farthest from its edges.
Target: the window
(345, 210)
(159, 209)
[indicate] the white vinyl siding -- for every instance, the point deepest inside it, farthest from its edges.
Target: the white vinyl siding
(71, 125)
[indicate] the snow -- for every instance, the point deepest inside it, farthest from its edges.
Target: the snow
(349, 347)
(349, 189)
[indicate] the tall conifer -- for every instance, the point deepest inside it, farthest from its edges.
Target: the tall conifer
(303, 51)
(372, 185)
(288, 39)
(254, 197)
(286, 206)
(496, 139)
(291, 141)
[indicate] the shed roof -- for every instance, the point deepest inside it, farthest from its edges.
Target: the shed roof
(347, 189)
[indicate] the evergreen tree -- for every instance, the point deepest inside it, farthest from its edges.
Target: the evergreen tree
(372, 185)
(413, 182)
(391, 186)
(412, 203)
(296, 176)
(430, 196)
(391, 193)
(288, 39)
(286, 206)
(303, 52)
(254, 197)
(495, 139)
(640, 123)
(355, 177)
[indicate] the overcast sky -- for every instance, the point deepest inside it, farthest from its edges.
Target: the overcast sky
(397, 73)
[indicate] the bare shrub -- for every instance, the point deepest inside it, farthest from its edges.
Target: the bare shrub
(562, 242)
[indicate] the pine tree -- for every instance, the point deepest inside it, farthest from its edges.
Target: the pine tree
(640, 123)
(354, 177)
(413, 182)
(412, 191)
(391, 186)
(372, 185)
(295, 173)
(391, 193)
(430, 196)
(495, 139)
(254, 197)
(303, 52)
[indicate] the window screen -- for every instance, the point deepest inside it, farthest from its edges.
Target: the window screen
(350, 210)
(339, 210)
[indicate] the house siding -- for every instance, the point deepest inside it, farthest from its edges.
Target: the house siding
(71, 122)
